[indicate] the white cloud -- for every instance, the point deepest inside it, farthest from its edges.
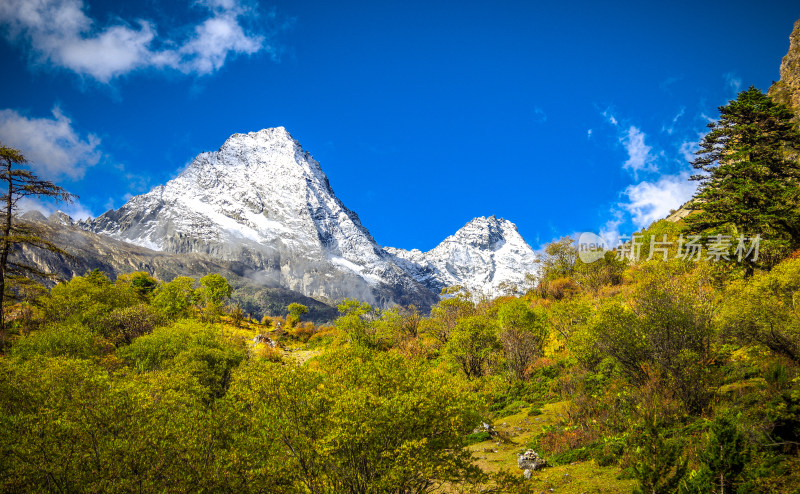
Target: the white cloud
(589, 134)
(687, 150)
(639, 157)
(633, 139)
(671, 128)
(611, 118)
(680, 113)
(60, 33)
(733, 81)
(708, 119)
(651, 201)
(610, 231)
(51, 145)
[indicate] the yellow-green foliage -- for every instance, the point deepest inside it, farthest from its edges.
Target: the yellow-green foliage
(473, 345)
(663, 328)
(766, 309)
(127, 386)
(296, 311)
(202, 350)
(524, 332)
(86, 299)
(361, 416)
(175, 298)
(103, 398)
(143, 283)
(59, 340)
(68, 425)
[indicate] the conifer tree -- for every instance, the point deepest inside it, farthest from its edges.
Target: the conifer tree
(750, 174)
(726, 454)
(17, 183)
(659, 466)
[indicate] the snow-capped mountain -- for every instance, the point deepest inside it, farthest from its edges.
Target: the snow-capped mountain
(480, 256)
(263, 201)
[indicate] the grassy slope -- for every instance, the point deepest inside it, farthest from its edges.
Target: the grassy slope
(518, 430)
(500, 453)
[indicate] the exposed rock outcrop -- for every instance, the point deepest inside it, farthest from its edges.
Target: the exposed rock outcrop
(87, 251)
(787, 89)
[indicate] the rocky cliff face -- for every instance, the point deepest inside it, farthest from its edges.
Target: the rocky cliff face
(482, 255)
(87, 251)
(787, 89)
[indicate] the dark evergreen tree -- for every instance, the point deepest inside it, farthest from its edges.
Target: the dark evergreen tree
(750, 174)
(659, 466)
(18, 182)
(726, 454)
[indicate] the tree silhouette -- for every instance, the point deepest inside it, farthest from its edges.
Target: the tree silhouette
(17, 183)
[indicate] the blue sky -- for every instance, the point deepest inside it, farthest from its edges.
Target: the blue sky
(559, 116)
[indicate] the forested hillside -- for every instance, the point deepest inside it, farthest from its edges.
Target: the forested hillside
(616, 373)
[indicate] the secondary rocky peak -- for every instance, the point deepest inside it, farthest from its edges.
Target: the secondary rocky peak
(62, 218)
(480, 256)
(787, 89)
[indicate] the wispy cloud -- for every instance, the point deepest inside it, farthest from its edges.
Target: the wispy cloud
(667, 83)
(664, 160)
(670, 128)
(651, 201)
(55, 150)
(639, 153)
(59, 33)
(733, 81)
(687, 150)
(610, 117)
(610, 231)
(539, 115)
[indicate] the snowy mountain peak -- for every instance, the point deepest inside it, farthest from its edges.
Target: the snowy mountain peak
(486, 233)
(480, 256)
(277, 139)
(263, 202)
(267, 154)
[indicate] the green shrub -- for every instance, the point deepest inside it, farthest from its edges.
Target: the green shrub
(477, 437)
(122, 325)
(152, 351)
(188, 346)
(59, 340)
